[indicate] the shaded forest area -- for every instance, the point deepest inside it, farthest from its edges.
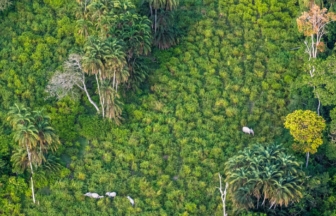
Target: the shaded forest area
(148, 99)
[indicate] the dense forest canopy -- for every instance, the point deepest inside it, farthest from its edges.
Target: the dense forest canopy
(117, 107)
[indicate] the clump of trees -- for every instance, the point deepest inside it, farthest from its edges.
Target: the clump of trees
(165, 31)
(112, 56)
(263, 177)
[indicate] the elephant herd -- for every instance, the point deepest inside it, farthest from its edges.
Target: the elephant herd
(109, 194)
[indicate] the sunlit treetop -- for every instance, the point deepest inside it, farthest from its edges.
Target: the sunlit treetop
(315, 20)
(306, 127)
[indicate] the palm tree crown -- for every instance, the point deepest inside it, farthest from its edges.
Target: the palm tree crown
(263, 174)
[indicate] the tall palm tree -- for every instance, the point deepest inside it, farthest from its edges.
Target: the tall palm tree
(47, 139)
(83, 27)
(113, 104)
(94, 59)
(115, 62)
(34, 135)
(167, 32)
(135, 32)
(161, 4)
(96, 10)
(27, 137)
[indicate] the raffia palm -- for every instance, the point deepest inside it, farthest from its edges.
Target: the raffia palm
(263, 176)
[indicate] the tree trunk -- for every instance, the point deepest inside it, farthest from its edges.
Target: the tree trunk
(32, 187)
(151, 10)
(29, 158)
(223, 193)
(224, 212)
(87, 94)
(265, 196)
(319, 104)
(32, 172)
(100, 98)
(307, 159)
(114, 79)
(91, 101)
(155, 18)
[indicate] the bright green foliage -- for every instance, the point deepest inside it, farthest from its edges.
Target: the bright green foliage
(35, 40)
(331, 145)
(11, 195)
(306, 127)
(63, 119)
(173, 141)
(263, 177)
(233, 67)
(324, 80)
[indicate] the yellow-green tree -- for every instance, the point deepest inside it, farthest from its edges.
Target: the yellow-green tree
(306, 127)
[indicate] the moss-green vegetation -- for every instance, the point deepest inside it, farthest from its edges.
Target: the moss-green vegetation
(235, 65)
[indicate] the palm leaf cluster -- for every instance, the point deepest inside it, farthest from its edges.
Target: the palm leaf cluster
(165, 8)
(167, 33)
(263, 176)
(32, 131)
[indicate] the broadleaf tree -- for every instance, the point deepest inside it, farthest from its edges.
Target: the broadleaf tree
(306, 127)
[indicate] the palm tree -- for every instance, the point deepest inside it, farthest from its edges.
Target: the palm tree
(135, 31)
(83, 27)
(27, 137)
(21, 161)
(96, 10)
(47, 138)
(95, 51)
(113, 104)
(93, 61)
(115, 62)
(34, 135)
(163, 4)
(263, 173)
(167, 32)
(106, 60)
(19, 114)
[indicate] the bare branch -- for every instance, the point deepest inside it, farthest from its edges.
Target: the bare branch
(223, 193)
(62, 84)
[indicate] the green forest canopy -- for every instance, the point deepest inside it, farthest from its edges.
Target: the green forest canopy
(234, 64)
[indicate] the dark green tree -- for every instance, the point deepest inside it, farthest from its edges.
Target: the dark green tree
(263, 176)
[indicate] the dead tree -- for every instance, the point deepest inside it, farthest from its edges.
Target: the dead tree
(62, 83)
(223, 192)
